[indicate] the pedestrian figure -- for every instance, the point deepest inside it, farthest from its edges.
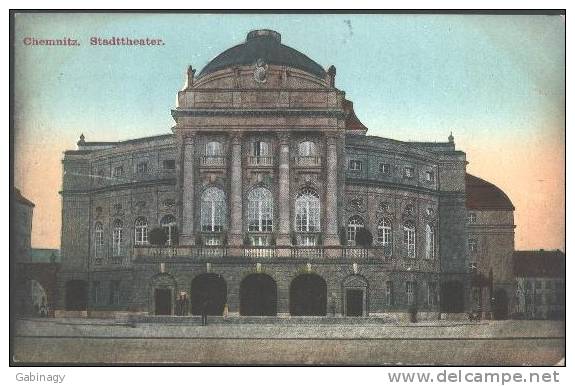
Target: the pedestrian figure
(205, 312)
(185, 305)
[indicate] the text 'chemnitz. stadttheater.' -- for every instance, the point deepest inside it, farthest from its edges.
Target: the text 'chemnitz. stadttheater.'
(268, 198)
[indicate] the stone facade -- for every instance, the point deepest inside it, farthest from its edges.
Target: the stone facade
(280, 128)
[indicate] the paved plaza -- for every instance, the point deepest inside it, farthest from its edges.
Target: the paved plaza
(299, 342)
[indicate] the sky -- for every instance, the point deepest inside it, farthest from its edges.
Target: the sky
(496, 82)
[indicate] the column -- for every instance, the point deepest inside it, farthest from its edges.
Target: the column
(331, 236)
(236, 238)
(284, 192)
(187, 236)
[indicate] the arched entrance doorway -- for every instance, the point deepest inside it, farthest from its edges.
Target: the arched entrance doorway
(452, 297)
(208, 290)
(76, 295)
(308, 296)
(355, 296)
(163, 289)
(500, 306)
(258, 295)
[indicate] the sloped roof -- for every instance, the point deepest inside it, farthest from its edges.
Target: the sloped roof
(21, 199)
(539, 263)
(352, 122)
(483, 195)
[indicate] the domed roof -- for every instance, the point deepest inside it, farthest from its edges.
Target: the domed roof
(263, 44)
(481, 194)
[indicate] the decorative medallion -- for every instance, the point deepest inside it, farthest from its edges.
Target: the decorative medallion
(260, 71)
(118, 209)
(169, 203)
(356, 204)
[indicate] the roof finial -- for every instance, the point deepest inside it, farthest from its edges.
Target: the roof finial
(82, 138)
(331, 76)
(450, 138)
(190, 77)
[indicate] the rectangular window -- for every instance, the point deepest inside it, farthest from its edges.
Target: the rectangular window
(114, 293)
(97, 295)
(117, 241)
(472, 245)
(471, 217)
(213, 240)
(169, 164)
(355, 165)
(260, 241)
(432, 293)
(408, 172)
(429, 176)
(142, 167)
(307, 240)
(118, 171)
(410, 292)
(389, 293)
(384, 168)
(537, 284)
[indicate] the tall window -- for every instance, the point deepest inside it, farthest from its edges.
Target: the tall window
(213, 210)
(213, 149)
(142, 167)
(472, 217)
(260, 148)
(472, 245)
(410, 292)
(429, 242)
(141, 231)
(97, 292)
(409, 238)
(384, 235)
(432, 293)
(168, 224)
(307, 149)
(118, 238)
(353, 225)
(260, 210)
(388, 293)
(114, 293)
(98, 240)
(307, 211)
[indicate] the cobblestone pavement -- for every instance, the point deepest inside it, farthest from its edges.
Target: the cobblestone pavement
(107, 341)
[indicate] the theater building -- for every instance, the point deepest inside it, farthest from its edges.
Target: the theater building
(274, 200)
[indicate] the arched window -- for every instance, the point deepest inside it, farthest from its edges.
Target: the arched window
(213, 149)
(98, 240)
(307, 211)
(141, 231)
(353, 225)
(213, 210)
(429, 242)
(409, 238)
(384, 235)
(118, 238)
(168, 224)
(307, 149)
(260, 210)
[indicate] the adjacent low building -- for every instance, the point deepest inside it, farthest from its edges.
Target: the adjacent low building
(539, 284)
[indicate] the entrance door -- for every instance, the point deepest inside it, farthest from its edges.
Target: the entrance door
(501, 304)
(258, 296)
(354, 302)
(308, 295)
(163, 299)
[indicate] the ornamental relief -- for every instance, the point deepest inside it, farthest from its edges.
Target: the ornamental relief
(356, 204)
